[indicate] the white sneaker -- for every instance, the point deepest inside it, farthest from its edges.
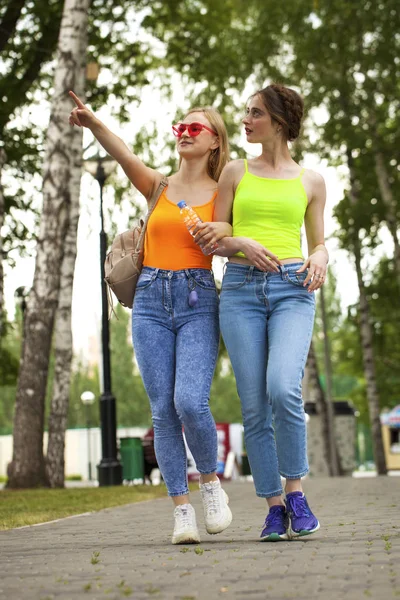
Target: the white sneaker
(217, 513)
(185, 529)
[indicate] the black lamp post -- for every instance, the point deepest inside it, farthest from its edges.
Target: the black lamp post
(109, 469)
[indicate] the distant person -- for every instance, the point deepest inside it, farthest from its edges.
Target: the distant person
(175, 311)
(149, 455)
(267, 300)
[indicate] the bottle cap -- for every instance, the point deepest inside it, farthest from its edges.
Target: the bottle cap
(181, 204)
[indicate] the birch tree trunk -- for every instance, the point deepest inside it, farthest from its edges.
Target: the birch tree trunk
(62, 346)
(63, 350)
(366, 335)
(327, 424)
(390, 208)
(2, 211)
(27, 468)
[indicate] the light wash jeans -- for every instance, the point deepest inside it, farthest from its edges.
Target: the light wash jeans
(266, 322)
(176, 347)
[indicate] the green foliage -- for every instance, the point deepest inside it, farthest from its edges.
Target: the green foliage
(73, 478)
(348, 373)
(28, 37)
(84, 378)
(9, 363)
(343, 382)
(8, 366)
(354, 77)
(133, 408)
(343, 56)
(383, 295)
(224, 399)
(208, 42)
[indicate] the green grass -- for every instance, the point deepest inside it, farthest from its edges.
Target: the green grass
(27, 507)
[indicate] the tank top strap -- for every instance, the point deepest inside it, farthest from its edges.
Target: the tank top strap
(246, 168)
(302, 172)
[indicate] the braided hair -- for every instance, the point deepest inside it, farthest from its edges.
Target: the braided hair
(285, 106)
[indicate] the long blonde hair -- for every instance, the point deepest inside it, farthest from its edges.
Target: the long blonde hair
(219, 156)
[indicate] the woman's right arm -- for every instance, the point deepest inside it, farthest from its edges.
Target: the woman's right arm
(210, 233)
(258, 255)
(143, 178)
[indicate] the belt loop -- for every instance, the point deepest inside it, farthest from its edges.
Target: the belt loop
(250, 274)
(155, 274)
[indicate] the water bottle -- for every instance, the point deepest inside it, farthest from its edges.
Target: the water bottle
(191, 220)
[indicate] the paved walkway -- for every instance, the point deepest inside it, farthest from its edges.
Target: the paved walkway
(125, 552)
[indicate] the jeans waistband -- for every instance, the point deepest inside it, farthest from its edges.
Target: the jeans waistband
(250, 270)
(164, 274)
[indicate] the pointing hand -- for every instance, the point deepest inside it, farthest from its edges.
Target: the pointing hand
(80, 115)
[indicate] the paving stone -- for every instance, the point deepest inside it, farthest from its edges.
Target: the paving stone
(355, 555)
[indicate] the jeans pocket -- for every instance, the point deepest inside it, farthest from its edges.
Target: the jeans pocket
(233, 281)
(297, 278)
(203, 279)
(145, 280)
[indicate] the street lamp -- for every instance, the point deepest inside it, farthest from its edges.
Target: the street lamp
(109, 468)
(88, 399)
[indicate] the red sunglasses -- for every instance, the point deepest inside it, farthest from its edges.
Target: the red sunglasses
(193, 129)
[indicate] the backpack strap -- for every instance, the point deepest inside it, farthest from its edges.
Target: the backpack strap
(152, 203)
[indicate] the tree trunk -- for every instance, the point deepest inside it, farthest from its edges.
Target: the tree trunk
(329, 413)
(55, 461)
(390, 208)
(27, 468)
(369, 366)
(2, 212)
(327, 424)
(366, 336)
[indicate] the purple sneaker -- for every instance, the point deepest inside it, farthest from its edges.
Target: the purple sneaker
(301, 519)
(276, 524)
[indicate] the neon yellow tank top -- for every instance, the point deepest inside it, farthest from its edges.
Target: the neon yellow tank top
(271, 212)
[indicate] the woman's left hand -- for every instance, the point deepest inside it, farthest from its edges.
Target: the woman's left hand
(316, 264)
(207, 234)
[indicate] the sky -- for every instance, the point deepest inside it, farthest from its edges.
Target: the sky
(86, 308)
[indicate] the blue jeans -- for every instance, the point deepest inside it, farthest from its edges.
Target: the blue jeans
(266, 322)
(176, 347)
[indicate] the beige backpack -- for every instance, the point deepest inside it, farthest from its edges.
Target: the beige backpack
(123, 263)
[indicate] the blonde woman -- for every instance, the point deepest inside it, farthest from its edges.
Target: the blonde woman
(175, 312)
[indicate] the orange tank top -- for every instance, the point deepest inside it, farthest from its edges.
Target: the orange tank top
(168, 244)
